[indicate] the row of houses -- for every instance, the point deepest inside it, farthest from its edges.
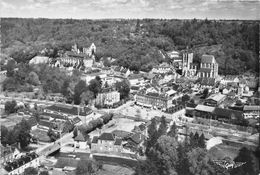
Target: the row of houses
(18, 165)
(224, 114)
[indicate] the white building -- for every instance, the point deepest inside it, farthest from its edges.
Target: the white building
(107, 97)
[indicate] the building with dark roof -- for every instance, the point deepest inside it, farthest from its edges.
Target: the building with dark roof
(227, 115)
(18, 166)
(81, 140)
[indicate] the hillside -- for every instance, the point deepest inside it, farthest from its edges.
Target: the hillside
(135, 43)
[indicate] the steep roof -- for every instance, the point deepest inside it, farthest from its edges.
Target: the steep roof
(137, 138)
(107, 136)
(95, 139)
(118, 142)
(81, 138)
(207, 59)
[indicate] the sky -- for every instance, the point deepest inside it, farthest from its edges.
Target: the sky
(100, 9)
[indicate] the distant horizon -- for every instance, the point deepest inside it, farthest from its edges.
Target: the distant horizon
(96, 19)
(132, 9)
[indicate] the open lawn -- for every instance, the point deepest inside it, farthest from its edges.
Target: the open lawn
(115, 170)
(118, 124)
(222, 150)
(41, 135)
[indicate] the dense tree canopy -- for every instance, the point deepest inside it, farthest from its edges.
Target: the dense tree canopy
(136, 44)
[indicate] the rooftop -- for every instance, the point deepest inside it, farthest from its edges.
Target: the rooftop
(207, 59)
(95, 139)
(251, 108)
(216, 97)
(118, 142)
(228, 113)
(20, 162)
(107, 136)
(205, 108)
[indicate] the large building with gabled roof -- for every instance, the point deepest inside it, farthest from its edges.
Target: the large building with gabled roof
(208, 67)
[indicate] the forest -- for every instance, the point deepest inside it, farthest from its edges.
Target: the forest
(137, 44)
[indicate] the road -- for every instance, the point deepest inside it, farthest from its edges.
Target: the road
(65, 139)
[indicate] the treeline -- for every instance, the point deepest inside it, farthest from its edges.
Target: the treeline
(136, 43)
(19, 134)
(94, 124)
(165, 155)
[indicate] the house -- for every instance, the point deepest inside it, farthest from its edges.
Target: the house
(135, 79)
(135, 141)
(215, 99)
(204, 111)
(229, 79)
(106, 142)
(227, 115)
(162, 68)
(107, 97)
(39, 60)
(207, 82)
(251, 111)
(152, 99)
(67, 110)
(80, 141)
(208, 67)
(18, 166)
(8, 153)
(46, 125)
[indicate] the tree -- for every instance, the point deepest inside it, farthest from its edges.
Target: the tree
(185, 98)
(10, 68)
(205, 92)
(10, 107)
(152, 136)
(201, 141)
(183, 162)
(173, 131)
(23, 136)
(4, 133)
(75, 132)
(31, 171)
(78, 90)
(53, 136)
(163, 127)
(166, 155)
(200, 162)
(33, 79)
(250, 168)
(94, 86)
(123, 88)
(87, 167)
(44, 173)
(86, 97)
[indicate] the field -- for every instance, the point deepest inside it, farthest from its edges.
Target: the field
(222, 150)
(115, 170)
(41, 135)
